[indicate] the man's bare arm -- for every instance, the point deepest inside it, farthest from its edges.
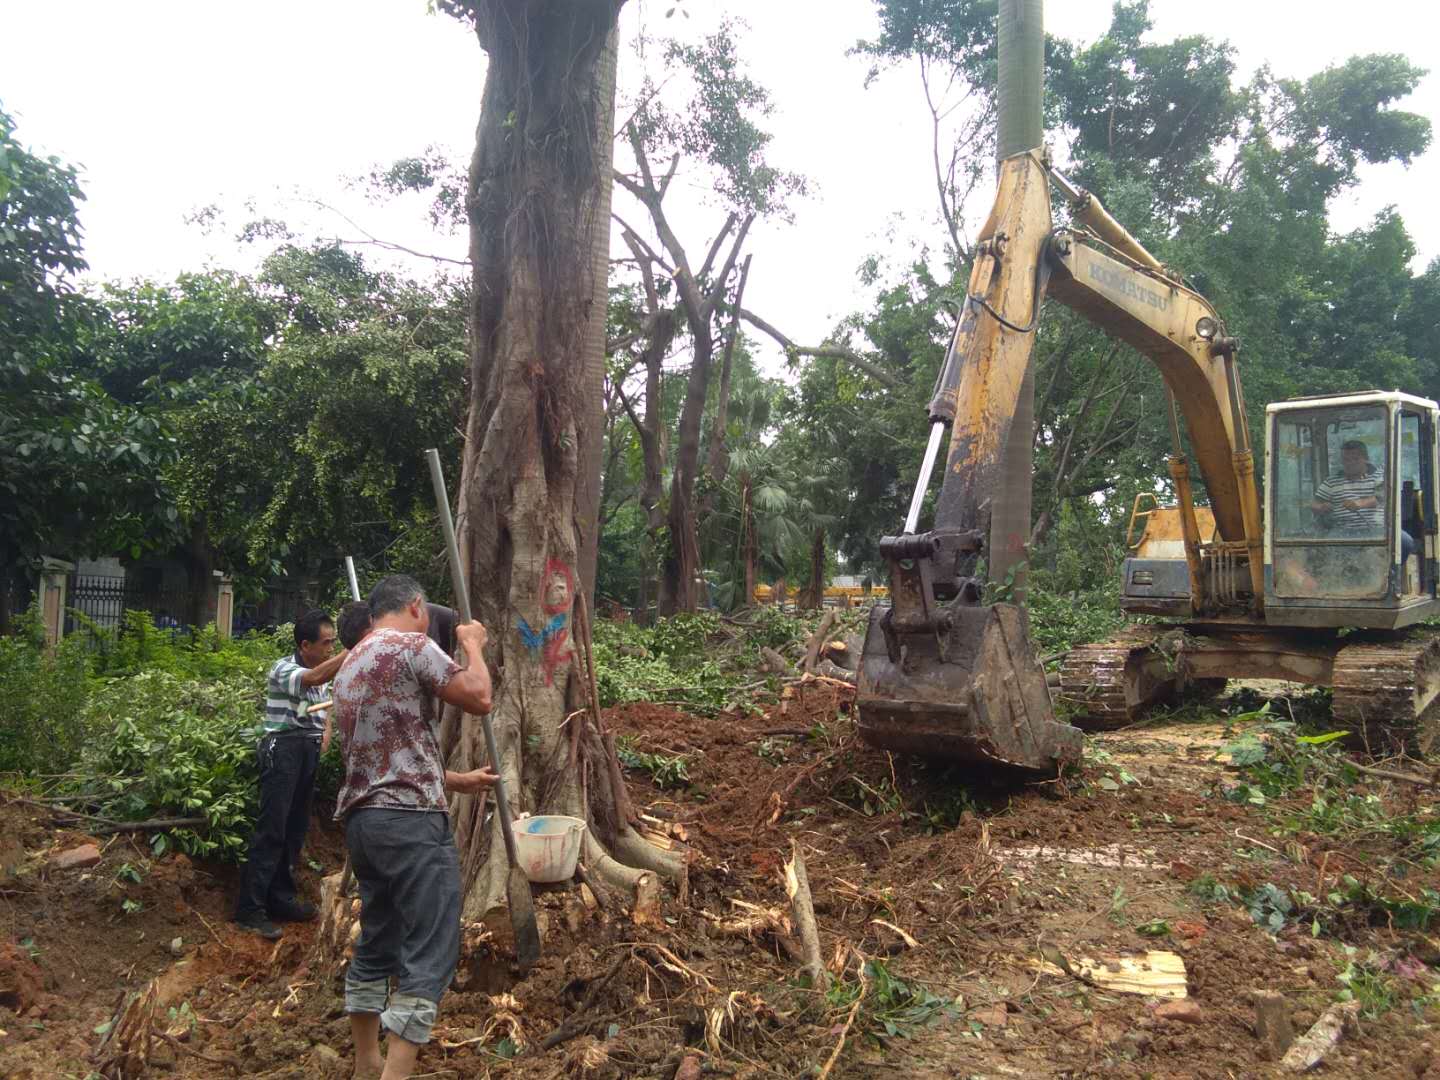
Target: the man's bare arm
(320, 674)
(470, 689)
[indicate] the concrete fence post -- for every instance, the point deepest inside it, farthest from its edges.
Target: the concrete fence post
(54, 575)
(224, 605)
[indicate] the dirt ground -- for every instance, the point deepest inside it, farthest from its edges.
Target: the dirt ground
(982, 880)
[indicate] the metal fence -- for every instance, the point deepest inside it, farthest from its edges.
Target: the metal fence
(280, 605)
(104, 601)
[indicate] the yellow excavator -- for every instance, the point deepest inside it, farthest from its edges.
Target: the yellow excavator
(1314, 583)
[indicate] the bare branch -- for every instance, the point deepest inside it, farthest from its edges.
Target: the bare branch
(837, 352)
(374, 241)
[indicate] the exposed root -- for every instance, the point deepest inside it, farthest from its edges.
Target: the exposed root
(641, 886)
(797, 887)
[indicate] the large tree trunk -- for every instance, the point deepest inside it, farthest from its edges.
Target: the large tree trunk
(199, 568)
(814, 595)
(749, 545)
(591, 419)
(537, 207)
(681, 562)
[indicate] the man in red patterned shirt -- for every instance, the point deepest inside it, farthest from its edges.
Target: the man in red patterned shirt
(397, 823)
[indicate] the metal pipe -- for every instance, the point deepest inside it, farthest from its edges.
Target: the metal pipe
(1020, 51)
(937, 430)
(1021, 54)
(447, 526)
(354, 581)
(462, 604)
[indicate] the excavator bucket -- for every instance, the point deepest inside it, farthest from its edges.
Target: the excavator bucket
(970, 692)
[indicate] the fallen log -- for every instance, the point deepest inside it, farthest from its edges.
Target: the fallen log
(1311, 1048)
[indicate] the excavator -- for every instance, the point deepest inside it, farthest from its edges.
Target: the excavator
(1315, 582)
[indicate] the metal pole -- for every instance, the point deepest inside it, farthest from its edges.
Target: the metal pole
(447, 526)
(354, 581)
(1021, 52)
(1022, 76)
(462, 604)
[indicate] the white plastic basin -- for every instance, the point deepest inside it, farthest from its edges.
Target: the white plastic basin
(547, 846)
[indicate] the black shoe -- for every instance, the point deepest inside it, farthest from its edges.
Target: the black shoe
(259, 925)
(295, 911)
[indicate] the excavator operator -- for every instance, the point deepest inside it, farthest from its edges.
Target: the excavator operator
(1352, 501)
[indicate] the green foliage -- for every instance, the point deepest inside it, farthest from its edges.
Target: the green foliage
(78, 470)
(718, 124)
(1062, 621)
(892, 1008)
(1270, 906)
(142, 724)
(666, 770)
(42, 700)
(1367, 982)
(667, 662)
(165, 746)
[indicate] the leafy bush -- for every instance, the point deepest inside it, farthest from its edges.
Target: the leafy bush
(138, 645)
(1060, 621)
(143, 723)
(42, 700)
(167, 747)
(672, 661)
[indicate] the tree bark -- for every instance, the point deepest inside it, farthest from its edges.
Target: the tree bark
(749, 545)
(537, 213)
(199, 567)
(591, 422)
(814, 595)
(719, 453)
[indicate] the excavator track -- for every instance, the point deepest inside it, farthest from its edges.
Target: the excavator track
(1386, 689)
(1109, 684)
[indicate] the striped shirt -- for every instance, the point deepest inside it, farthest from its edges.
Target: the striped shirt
(285, 692)
(1338, 489)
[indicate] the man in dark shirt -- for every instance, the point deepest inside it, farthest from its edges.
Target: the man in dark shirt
(355, 621)
(397, 824)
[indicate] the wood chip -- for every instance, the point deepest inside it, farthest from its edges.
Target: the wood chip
(1158, 973)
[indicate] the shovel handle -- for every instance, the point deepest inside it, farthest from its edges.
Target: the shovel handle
(462, 602)
(447, 526)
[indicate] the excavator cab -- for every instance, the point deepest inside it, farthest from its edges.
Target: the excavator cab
(1351, 511)
(1350, 521)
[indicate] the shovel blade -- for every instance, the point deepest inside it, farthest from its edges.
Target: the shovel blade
(522, 920)
(973, 693)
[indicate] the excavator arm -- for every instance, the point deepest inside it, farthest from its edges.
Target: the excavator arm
(944, 673)
(1100, 271)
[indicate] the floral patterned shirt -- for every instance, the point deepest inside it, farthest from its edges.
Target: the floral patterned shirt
(388, 718)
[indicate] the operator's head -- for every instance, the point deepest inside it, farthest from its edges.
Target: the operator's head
(314, 638)
(400, 595)
(354, 623)
(1354, 458)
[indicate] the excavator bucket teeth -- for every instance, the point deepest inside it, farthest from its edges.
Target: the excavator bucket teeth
(973, 694)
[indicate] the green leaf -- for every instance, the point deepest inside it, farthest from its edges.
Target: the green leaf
(1320, 740)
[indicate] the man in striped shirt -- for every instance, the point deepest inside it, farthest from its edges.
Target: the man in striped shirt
(295, 735)
(1354, 498)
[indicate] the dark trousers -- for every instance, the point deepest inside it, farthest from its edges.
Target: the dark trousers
(287, 788)
(409, 876)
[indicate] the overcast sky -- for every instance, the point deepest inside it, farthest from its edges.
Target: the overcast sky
(169, 105)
